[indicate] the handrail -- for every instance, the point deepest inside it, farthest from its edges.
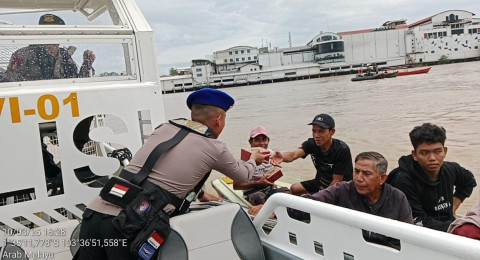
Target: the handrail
(339, 230)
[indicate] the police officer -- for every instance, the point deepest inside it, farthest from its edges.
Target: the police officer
(47, 61)
(178, 170)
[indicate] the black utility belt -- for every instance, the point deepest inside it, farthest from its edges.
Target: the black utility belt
(142, 220)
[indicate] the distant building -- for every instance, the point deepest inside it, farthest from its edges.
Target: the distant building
(384, 45)
(184, 71)
(286, 56)
(328, 48)
(230, 60)
(202, 70)
(453, 33)
(250, 67)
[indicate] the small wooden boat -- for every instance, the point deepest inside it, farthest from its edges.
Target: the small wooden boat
(412, 72)
(224, 188)
(361, 77)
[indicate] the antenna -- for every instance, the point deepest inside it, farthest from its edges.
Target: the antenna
(289, 39)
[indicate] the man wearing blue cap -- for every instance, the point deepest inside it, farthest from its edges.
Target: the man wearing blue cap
(178, 170)
(47, 61)
(331, 157)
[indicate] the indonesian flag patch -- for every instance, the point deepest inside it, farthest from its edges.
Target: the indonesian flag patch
(118, 190)
(155, 240)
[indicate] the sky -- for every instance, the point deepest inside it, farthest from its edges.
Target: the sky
(193, 29)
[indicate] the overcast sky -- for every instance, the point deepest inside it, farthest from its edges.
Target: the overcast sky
(191, 29)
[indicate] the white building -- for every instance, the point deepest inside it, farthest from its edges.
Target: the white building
(250, 67)
(328, 47)
(384, 46)
(286, 56)
(230, 60)
(453, 33)
(202, 70)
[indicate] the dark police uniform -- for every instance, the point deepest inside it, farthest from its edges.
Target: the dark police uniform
(34, 62)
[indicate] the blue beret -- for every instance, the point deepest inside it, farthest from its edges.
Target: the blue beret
(212, 97)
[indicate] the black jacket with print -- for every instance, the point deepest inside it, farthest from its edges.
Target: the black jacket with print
(432, 201)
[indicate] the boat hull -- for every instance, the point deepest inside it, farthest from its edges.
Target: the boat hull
(391, 74)
(368, 77)
(413, 72)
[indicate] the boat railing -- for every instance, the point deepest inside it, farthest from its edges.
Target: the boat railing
(331, 226)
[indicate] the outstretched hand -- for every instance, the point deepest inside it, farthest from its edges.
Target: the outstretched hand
(263, 182)
(259, 158)
(276, 159)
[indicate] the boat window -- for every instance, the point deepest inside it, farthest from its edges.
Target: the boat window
(47, 44)
(30, 62)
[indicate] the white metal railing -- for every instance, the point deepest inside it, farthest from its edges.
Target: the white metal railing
(339, 232)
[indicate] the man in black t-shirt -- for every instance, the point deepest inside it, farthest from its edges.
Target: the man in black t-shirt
(331, 157)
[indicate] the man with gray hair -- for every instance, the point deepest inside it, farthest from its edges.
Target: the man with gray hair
(368, 193)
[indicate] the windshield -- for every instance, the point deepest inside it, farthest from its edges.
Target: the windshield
(47, 45)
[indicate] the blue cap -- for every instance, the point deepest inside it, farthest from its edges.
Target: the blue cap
(212, 97)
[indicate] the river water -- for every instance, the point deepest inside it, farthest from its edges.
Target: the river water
(374, 115)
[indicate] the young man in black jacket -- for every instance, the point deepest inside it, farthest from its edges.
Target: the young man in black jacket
(434, 188)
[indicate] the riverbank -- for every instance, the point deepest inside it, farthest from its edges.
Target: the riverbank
(184, 83)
